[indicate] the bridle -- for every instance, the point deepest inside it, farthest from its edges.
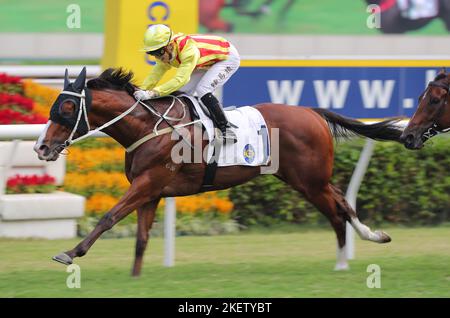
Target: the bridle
(83, 114)
(433, 130)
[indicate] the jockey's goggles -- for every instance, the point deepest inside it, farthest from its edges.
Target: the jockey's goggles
(157, 53)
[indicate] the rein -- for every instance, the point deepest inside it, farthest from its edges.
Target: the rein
(165, 118)
(162, 117)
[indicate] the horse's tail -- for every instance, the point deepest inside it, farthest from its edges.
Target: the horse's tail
(341, 126)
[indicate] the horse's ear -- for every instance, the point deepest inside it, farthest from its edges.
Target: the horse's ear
(66, 79)
(81, 80)
(443, 71)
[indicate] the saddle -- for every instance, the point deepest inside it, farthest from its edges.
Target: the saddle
(190, 105)
(193, 111)
(251, 149)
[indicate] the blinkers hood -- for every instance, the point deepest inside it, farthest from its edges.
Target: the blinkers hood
(75, 87)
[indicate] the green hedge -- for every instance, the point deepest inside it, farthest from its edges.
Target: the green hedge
(400, 186)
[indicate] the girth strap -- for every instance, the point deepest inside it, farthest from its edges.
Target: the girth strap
(211, 167)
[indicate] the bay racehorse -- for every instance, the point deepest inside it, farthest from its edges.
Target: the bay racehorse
(432, 116)
(107, 103)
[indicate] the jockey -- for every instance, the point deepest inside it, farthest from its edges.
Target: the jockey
(204, 63)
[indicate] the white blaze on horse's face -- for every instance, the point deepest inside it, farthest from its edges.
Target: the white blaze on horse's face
(44, 152)
(41, 137)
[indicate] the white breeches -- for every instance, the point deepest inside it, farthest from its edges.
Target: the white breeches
(207, 81)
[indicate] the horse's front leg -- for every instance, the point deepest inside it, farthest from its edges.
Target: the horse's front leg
(142, 190)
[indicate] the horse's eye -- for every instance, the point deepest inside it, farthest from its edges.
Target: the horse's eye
(67, 109)
(435, 100)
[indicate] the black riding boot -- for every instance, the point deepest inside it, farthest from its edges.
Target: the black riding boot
(218, 117)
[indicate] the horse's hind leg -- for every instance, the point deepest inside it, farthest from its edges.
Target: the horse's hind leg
(363, 230)
(330, 201)
(146, 215)
(324, 200)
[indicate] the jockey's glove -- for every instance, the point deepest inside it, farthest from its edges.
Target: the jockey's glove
(144, 95)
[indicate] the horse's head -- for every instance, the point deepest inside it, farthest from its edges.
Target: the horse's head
(68, 118)
(432, 115)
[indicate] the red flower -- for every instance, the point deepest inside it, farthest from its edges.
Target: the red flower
(16, 100)
(6, 79)
(12, 182)
(9, 116)
(30, 184)
(46, 179)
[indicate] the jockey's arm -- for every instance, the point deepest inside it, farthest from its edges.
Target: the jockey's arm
(155, 75)
(189, 58)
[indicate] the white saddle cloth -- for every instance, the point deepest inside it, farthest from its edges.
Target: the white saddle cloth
(252, 147)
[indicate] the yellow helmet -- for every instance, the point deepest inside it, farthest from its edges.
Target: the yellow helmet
(157, 36)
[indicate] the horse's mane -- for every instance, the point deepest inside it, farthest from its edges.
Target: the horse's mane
(113, 78)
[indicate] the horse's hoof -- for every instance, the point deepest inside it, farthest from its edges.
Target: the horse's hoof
(63, 258)
(341, 267)
(384, 237)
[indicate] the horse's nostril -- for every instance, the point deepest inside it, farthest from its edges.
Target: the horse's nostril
(408, 141)
(44, 149)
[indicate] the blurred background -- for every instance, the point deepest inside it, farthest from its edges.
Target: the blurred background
(365, 59)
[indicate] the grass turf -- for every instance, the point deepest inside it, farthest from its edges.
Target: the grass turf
(415, 264)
